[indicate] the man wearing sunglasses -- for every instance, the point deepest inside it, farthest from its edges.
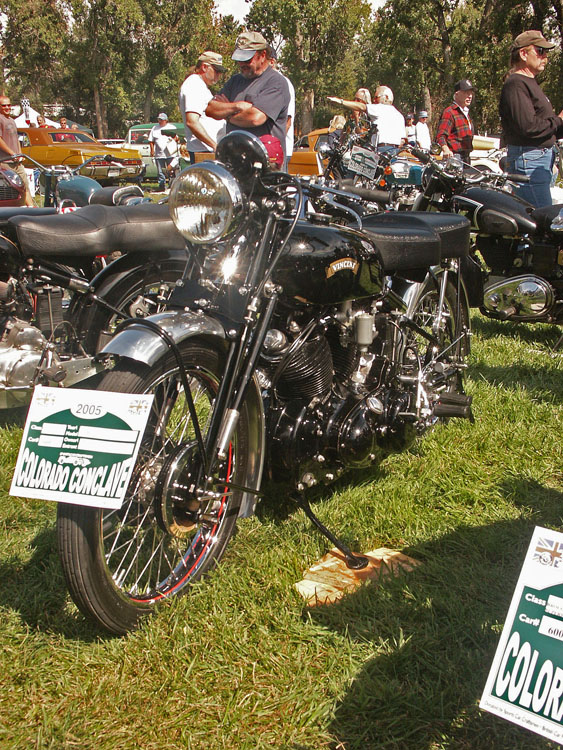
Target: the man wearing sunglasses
(529, 124)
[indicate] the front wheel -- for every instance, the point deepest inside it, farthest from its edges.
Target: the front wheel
(119, 564)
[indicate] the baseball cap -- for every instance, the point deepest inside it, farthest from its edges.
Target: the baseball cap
(213, 58)
(527, 38)
(247, 44)
(463, 85)
(423, 113)
(162, 116)
(274, 149)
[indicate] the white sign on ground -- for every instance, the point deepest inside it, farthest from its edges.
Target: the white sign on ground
(80, 446)
(525, 684)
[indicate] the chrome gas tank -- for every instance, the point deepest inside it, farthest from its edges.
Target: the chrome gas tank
(496, 212)
(328, 264)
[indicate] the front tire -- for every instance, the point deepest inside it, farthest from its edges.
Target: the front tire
(119, 564)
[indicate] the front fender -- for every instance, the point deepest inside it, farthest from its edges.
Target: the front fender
(139, 343)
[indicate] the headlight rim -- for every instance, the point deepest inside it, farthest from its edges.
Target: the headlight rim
(221, 174)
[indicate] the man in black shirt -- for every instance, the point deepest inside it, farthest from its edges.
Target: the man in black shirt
(530, 126)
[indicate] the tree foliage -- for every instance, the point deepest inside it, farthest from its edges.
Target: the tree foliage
(114, 62)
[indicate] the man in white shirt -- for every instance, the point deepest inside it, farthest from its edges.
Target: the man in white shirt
(290, 134)
(158, 142)
(202, 132)
(390, 122)
(423, 138)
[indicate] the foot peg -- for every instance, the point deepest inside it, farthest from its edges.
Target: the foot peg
(453, 405)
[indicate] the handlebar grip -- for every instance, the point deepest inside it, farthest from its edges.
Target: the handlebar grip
(518, 178)
(421, 155)
(377, 196)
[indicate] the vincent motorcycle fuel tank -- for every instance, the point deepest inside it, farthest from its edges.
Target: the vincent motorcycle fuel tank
(496, 211)
(329, 264)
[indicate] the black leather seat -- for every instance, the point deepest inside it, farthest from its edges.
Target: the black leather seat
(7, 213)
(99, 230)
(544, 216)
(417, 240)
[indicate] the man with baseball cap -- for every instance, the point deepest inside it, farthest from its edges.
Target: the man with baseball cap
(529, 124)
(202, 132)
(257, 98)
(158, 142)
(455, 129)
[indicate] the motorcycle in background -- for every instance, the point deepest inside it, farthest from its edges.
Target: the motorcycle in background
(521, 276)
(295, 350)
(390, 180)
(53, 317)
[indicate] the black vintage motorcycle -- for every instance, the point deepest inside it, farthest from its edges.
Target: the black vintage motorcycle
(521, 278)
(295, 350)
(53, 316)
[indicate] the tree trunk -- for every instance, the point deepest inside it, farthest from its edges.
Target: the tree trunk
(307, 109)
(446, 45)
(147, 103)
(100, 109)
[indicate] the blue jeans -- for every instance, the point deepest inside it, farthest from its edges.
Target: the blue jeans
(537, 164)
(161, 163)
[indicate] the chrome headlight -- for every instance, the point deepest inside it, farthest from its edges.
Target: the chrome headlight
(206, 202)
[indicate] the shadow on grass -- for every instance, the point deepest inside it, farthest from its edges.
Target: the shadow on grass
(541, 334)
(435, 631)
(37, 591)
(544, 384)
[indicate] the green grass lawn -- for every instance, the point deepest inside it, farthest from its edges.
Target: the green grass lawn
(242, 663)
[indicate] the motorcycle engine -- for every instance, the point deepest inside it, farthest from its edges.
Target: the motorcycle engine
(327, 411)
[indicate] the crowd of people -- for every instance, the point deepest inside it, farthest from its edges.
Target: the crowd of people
(260, 99)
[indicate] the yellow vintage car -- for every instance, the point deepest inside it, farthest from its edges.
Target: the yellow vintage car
(306, 159)
(54, 146)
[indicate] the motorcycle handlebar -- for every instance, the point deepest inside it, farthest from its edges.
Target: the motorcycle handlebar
(376, 196)
(518, 178)
(421, 155)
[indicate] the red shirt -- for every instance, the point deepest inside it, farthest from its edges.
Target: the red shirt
(455, 130)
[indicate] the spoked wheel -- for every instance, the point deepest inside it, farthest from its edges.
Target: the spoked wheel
(120, 563)
(137, 293)
(441, 362)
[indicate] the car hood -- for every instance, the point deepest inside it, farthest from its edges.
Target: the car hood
(81, 153)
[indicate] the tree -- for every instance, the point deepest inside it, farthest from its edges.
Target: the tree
(33, 36)
(320, 46)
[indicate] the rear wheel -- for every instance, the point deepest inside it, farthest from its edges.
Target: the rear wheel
(120, 563)
(442, 361)
(137, 293)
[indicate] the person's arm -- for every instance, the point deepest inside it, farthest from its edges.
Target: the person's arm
(348, 104)
(444, 130)
(193, 121)
(220, 108)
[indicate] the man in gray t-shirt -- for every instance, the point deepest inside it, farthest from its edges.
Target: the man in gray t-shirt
(257, 98)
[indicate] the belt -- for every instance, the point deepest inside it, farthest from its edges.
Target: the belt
(393, 145)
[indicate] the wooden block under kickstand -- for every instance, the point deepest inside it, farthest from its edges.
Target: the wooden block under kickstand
(330, 578)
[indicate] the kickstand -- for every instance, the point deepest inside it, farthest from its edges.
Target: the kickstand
(356, 562)
(558, 343)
